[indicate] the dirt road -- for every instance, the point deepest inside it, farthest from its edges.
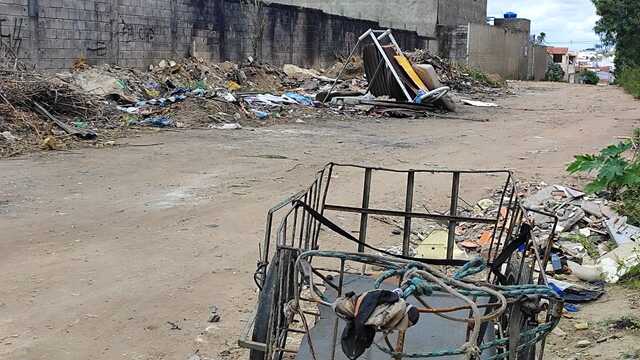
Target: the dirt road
(100, 250)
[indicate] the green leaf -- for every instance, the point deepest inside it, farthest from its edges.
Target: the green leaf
(613, 169)
(584, 163)
(595, 186)
(632, 175)
(616, 150)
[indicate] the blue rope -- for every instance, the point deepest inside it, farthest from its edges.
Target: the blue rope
(472, 267)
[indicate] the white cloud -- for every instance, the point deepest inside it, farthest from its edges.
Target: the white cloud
(568, 23)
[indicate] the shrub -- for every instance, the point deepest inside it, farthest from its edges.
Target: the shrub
(589, 77)
(629, 79)
(630, 205)
(554, 73)
(616, 172)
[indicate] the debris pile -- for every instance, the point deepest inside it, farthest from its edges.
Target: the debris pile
(41, 110)
(594, 243)
(101, 102)
(462, 79)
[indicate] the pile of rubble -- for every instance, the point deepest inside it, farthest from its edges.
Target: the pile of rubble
(42, 110)
(594, 241)
(103, 102)
(57, 111)
(463, 80)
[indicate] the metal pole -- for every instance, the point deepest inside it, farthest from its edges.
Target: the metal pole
(364, 218)
(344, 67)
(455, 189)
(408, 209)
(394, 42)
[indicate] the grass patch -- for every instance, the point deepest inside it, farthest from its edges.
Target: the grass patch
(492, 80)
(630, 205)
(629, 79)
(632, 278)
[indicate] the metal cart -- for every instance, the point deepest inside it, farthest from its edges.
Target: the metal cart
(494, 306)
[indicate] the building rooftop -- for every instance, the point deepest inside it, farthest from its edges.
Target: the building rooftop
(557, 50)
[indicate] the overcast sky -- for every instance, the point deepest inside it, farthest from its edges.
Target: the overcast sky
(563, 20)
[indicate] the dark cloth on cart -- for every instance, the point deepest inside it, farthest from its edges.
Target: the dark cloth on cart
(357, 336)
(373, 310)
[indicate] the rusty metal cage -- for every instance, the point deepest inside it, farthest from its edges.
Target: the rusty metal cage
(304, 226)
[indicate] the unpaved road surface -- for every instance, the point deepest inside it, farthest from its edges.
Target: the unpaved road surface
(100, 250)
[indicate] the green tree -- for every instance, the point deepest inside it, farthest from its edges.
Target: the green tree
(619, 25)
(541, 39)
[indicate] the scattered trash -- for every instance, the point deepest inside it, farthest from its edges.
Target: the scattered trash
(583, 343)
(300, 99)
(581, 326)
(227, 126)
(607, 338)
(485, 204)
(478, 103)
(572, 308)
(304, 74)
(156, 121)
(621, 232)
(194, 357)
(51, 143)
(434, 246)
(262, 115)
(469, 244)
(174, 325)
(91, 100)
(232, 85)
(620, 261)
(214, 315)
(9, 137)
(588, 273)
(574, 293)
(558, 332)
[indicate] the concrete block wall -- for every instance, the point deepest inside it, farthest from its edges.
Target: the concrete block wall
(71, 27)
(414, 15)
(496, 50)
(15, 31)
(461, 12)
(311, 37)
(500, 51)
(52, 34)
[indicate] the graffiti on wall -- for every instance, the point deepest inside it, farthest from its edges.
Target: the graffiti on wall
(99, 49)
(136, 32)
(10, 38)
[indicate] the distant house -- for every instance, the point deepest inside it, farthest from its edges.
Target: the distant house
(566, 59)
(598, 62)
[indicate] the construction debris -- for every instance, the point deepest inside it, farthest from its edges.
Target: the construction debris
(595, 241)
(462, 79)
(95, 104)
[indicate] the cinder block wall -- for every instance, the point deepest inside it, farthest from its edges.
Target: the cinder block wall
(15, 27)
(414, 15)
(500, 51)
(52, 34)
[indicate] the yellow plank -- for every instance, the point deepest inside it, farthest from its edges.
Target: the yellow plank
(406, 65)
